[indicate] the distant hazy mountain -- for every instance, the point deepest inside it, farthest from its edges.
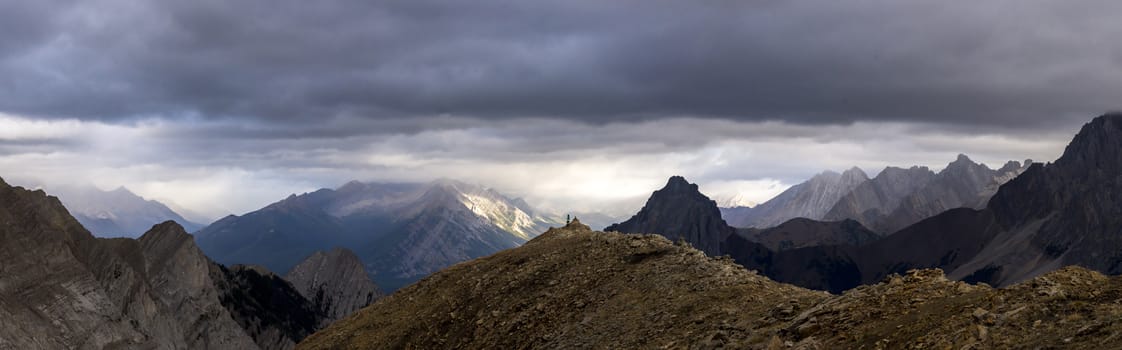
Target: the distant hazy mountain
(810, 199)
(116, 213)
(872, 200)
(60, 287)
(402, 232)
(962, 184)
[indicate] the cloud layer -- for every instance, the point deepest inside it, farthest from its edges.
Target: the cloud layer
(225, 106)
(999, 63)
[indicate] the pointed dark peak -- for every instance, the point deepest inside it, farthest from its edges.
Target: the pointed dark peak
(4, 184)
(679, 184)
(1098, 145)
(680, 211)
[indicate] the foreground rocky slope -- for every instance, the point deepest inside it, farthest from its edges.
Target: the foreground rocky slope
(576, 288)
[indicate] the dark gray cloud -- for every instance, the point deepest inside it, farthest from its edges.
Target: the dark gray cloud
(1019, 63)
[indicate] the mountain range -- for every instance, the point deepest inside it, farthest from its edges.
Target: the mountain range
(1051, 215)
(894, 199)
(810, 199)
(401, 232)
(116, 213)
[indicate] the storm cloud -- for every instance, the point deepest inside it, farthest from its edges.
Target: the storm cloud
(577, 103)
(1026, 63)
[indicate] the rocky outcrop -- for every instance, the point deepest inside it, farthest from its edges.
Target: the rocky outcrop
(811, 199)
(335, 282)
(801, 233)
(576, 288)
(680, 211)
(62, 288)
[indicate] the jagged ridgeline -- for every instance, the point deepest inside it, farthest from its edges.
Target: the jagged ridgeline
(62, 288)
(573, 288)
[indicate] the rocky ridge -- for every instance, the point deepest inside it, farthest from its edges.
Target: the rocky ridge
(576, 288)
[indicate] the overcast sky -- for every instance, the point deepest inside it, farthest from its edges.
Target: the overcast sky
(222, 107)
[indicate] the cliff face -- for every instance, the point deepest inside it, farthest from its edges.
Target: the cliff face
(335, 282)
(62, 288)
(680, 211)
(576, 288)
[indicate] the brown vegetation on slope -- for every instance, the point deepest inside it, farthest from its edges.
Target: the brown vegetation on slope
(576, 288)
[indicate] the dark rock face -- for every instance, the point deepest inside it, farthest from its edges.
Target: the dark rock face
(680, 211)
(62, 288)
(335, 282)
(1065, 213)
(811, 199)
(270, 309)
(801, 233)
